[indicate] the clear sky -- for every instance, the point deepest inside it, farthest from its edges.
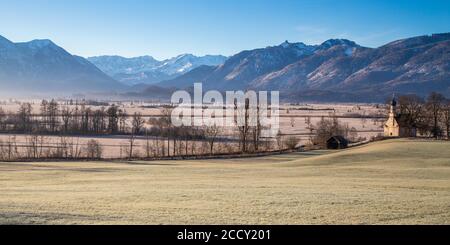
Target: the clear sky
(167, 28)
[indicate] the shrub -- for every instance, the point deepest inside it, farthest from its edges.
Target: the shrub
(94, 149)
(291, 142)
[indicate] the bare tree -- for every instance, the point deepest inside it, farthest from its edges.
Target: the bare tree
(137, 123)
(159, 147)
(35, 144)
(66, 116)
(412, 110)
(113, 119)
(11, 148)
(446, 118)
(122, 121)
(3, 150)
(44, 112)
(353, 134)
(94, 149)
(279, 141)
(291, 142)
(434, 106)
(130, 149)
(2, 119)
(97, 121)
(363, 119)
(242, 120)
(165, 123)
(85, 118)
(256, 129)
(211, 133)
(52, 113)
(24, 117)
(77, 148)
(75, 124)
(61, 150)
(310, 128)
(147, 147)
(326, 128)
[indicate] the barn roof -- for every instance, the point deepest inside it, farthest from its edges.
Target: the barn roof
(337, 138)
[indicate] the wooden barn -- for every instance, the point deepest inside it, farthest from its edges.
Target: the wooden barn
(337, 142)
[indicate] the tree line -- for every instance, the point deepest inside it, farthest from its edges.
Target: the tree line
(430, 116)
(162, 138)
(55, 119)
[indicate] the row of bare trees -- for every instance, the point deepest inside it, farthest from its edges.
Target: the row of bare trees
(161, 137)
(55, 119)
(42, 147)
(430, 116)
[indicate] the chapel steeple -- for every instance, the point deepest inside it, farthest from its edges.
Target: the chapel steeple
(393, 104)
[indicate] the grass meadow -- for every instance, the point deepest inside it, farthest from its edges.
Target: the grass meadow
(388, 182)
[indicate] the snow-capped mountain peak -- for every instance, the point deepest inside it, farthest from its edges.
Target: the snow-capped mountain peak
(41, 65)
(299, 48)
(333, 42)
(146, 69)
(285, 44)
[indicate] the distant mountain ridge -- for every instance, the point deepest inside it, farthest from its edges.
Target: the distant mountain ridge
(147, 70)
(42, 66)
(336, 70)
(241, 69)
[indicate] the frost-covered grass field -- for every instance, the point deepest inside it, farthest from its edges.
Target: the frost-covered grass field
(389, 182)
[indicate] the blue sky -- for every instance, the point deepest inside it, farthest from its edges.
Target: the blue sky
(170, 27)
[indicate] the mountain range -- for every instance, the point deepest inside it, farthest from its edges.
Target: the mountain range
(335, 70)
(147, 70)
(42, 66)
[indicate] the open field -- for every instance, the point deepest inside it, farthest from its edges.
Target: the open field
(389, 182)
(292, 117)
(295, 120)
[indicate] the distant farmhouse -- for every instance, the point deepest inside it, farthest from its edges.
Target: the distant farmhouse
(396, 124)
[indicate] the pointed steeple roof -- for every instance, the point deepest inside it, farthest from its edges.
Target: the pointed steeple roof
(394, 101)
